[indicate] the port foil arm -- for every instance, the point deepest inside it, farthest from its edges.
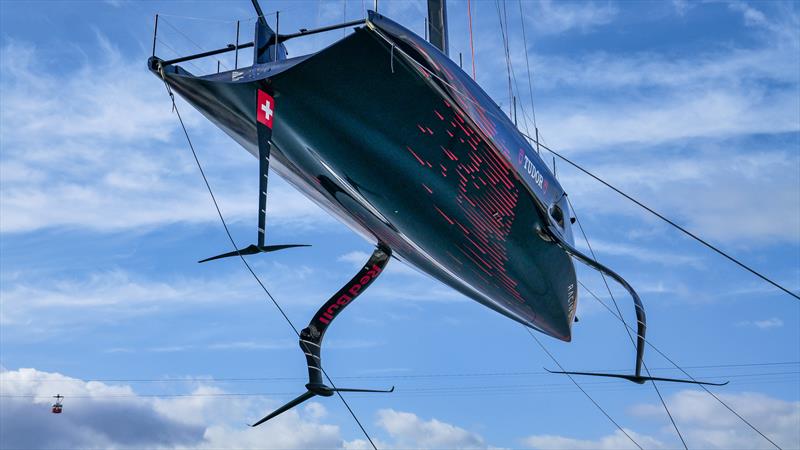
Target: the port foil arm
(311, 336)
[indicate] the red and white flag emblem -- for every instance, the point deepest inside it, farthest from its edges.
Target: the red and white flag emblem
(265, 108)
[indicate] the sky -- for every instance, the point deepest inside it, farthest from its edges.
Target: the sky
(691, 107)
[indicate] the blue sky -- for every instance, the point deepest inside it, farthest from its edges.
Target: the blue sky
(692, 107)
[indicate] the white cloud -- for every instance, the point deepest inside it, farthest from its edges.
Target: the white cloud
(598, 100)
(97, 415)
(640, 253)
(355, 258)
(615, 441)
(704, 423)
(551, 17)
(716, 113)
(765, 324)
(681, 6)
(416, 286)
(773, 322)
(107, 296)
(421, 290)
(752, 16)
(407, 430)
(32, 307)
(98, 147)
(669, 126)
(717, 196)
(358, 258)
(707, 424)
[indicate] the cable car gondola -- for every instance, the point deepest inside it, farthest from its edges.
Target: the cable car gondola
(57, 406)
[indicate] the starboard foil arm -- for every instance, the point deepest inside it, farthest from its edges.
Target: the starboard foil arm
(641, 319)
(311, 336)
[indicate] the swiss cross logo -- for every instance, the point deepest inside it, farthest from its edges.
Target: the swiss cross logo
(265, 108)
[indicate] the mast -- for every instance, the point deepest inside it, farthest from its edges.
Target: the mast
(437, 25)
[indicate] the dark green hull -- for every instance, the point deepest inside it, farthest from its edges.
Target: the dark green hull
(407, 150)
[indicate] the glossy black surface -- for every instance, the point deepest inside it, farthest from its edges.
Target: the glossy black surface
(392, 137)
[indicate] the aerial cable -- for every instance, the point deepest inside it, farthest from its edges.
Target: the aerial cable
(608, 416)
(670, 222)
(448, 389)
(625, 325)
(753, 427)
(420, 376)
(244, 261)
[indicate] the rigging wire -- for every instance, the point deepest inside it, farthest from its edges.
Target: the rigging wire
(538, 143)
(581, 169)
(640, 204)
(504, 32)
(527, 64)
(190, 40)
(510, 66)
(244, 261)
(471, 45)
(753, 427)
(504, 37)
(581, 388)
(670, 222)
(491, 113)
(625, 325)
(172, 49)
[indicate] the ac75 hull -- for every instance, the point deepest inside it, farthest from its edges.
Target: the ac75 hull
(420, 160)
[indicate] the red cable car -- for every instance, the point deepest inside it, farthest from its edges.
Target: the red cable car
(57, 405)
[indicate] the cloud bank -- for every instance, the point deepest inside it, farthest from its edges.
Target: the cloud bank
(97, 415)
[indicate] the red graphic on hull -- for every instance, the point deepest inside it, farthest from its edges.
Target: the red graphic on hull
(486, 196)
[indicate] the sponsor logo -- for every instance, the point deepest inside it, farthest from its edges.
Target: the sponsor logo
(571, 301)
(533, 172)
(349, 293)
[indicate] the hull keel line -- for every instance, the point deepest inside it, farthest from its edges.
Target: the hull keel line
(311, 336)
